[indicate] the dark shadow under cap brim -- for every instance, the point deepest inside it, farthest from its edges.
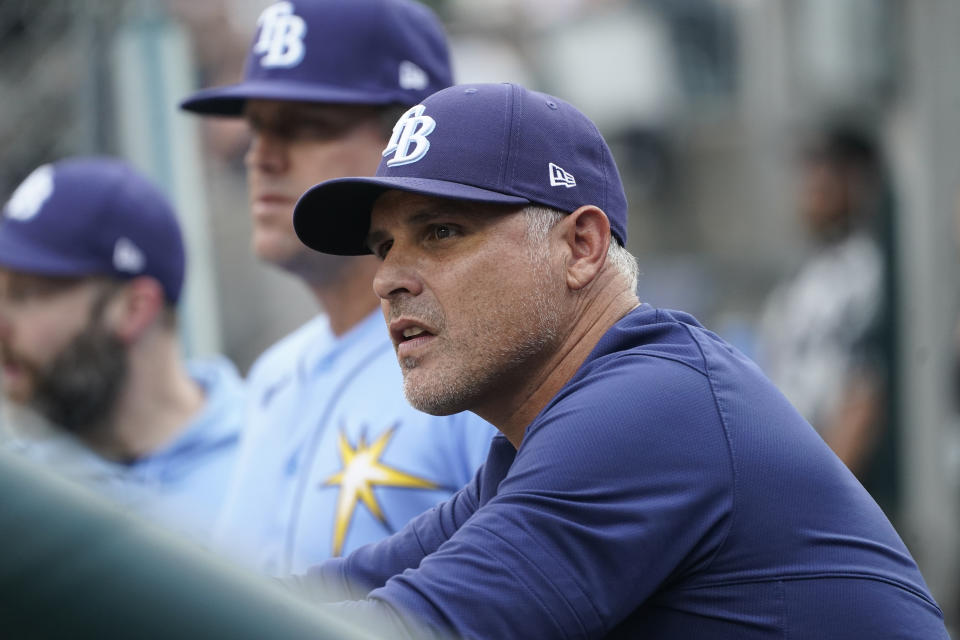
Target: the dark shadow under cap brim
(230, 100)
(334, 216)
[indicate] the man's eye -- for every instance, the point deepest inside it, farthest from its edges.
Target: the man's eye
(441, 232)
(314, 131)
(381, 249)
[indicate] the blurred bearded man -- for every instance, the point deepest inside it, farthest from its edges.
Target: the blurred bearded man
(91, 269)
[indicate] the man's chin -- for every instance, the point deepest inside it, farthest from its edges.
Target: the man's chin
(274, 250)
(19, 399)
(432, 400)
(430, 408)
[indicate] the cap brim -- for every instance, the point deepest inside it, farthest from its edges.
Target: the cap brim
(20, 254)
(230, 100)
(334, 216)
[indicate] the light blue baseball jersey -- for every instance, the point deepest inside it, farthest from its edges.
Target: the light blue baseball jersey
(181, 485)
(333, 456)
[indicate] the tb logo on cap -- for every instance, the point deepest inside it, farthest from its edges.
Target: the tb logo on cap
(411, 129)
(281, 36)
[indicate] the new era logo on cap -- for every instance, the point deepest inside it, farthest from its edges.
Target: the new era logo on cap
(127, 257)
(412, 76)
(560, 178)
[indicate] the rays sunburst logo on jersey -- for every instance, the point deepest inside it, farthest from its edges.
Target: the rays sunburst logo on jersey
(362, 470)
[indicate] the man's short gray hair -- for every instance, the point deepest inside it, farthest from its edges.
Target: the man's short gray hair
(542, 219)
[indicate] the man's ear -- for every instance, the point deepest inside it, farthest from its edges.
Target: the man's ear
(136, 308)
(587, 235)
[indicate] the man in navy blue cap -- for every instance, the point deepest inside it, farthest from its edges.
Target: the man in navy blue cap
(91, 269)
(648, 481)
(333, 457)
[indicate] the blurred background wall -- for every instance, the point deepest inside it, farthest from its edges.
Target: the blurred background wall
(703, 102)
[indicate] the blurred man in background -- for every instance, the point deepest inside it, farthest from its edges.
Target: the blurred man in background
(826, 336)
(91, 269)
(333, 456)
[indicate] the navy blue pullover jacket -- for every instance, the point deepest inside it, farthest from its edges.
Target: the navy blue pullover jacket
(667, 491)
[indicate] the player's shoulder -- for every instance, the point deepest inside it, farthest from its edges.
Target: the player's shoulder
(282, 356)
(651, 388)
(653, 370)
(649, 341)
(215, 372)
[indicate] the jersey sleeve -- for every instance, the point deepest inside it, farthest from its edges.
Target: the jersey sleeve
(623, 486)
(242, 526)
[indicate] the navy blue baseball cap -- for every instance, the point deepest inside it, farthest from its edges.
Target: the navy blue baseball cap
(494, 143)
(374, 52)
(92, 216)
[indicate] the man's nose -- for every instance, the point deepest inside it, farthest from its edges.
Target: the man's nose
(5, 325)
(268, 153)
(396, 277)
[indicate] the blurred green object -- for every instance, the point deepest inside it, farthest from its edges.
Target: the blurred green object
(74, 567)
